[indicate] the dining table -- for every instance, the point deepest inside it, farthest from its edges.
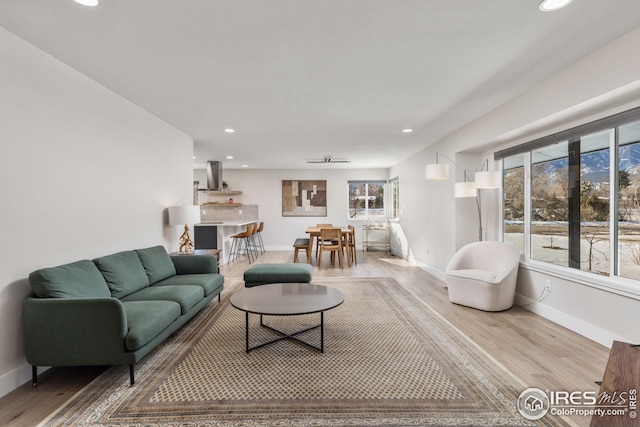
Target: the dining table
(314, 233)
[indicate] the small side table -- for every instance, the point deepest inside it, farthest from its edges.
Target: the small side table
(215, 252)
(372, 229)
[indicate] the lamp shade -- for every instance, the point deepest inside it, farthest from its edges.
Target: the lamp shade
(488, 179)
(465, 189)
(436, 171)
(182, 215)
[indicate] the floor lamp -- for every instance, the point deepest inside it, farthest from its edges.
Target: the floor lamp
(483, 179)
(184, 215)
(469, 189)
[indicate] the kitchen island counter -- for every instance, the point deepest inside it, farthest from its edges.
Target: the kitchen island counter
(222, 234)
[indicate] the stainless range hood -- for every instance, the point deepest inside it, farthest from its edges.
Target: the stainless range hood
(214, 175)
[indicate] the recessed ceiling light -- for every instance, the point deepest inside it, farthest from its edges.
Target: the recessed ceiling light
(194, 157)
(407, 130)
(245, 166)
(551, 5)
(229, 157)
(91, 3)
(229, 130)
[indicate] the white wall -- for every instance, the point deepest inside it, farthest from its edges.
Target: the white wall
(83, 173)
(436, 225)
(264, 188)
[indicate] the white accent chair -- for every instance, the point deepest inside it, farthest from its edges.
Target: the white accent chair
(483, 275)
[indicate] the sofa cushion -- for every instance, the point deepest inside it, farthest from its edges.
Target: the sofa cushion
(186, 295)
(146, 319)
(123, 272)
(210, 283)
(80, 279)
(157, 263)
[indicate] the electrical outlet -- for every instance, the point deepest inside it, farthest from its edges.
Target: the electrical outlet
(239, 211)
(548, 285)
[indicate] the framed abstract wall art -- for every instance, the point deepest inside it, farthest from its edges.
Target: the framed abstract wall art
(304, 198)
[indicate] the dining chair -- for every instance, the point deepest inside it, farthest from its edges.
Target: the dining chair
(349, 243)
(318, 237)
(331, 240)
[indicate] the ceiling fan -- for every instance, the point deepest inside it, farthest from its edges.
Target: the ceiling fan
(329, 159)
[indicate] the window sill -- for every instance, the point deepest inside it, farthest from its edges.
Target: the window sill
(617, 285)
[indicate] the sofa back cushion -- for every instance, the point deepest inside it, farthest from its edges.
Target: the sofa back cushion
(157, 263)
(123, 272)
(80, 279)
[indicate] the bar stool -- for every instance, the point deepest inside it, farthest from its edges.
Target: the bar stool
(254, 243)
(259, 235)
(241, 243)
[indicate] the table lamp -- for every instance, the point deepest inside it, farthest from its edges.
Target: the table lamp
(184, 215)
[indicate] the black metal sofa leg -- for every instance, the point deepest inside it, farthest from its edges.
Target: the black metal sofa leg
(132, 380)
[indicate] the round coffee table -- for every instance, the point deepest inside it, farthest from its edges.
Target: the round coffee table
(286, 299)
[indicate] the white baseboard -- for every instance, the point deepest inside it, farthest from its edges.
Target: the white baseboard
(14, 379)
(594, 333)
(431, 270)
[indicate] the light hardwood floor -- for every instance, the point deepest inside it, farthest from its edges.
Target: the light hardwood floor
(540, 353)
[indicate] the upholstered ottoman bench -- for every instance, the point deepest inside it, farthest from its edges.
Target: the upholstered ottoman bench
(264, 274)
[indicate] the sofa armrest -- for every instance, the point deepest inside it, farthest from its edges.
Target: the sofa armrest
(74, 331)
(195, 264)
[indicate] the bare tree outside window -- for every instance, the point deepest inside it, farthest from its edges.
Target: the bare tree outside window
(550, 205)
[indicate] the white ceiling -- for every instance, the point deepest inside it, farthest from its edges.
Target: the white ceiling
(301, 79)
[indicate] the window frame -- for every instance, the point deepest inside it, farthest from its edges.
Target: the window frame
(365, 182)
(627, 286)
(394, 199)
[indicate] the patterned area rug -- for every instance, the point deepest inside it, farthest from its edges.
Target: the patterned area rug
(389, 360)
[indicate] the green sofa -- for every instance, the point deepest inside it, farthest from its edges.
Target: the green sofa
(115, 309)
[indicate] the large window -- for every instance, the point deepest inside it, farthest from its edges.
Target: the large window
(513, 176)
(366, 200)
(562, 197)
